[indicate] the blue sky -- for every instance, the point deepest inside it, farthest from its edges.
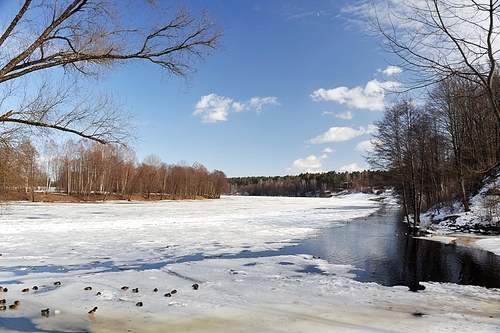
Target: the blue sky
(296, 89)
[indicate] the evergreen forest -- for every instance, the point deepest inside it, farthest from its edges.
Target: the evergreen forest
(322, 184)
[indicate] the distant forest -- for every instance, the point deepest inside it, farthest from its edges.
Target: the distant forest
(309, 184)
(87, 170)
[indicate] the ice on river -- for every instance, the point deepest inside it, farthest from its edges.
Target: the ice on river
(227, 247)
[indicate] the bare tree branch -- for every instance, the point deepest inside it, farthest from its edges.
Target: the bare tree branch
(87, 38)
(14, 22)
(437, 39)
(171, 45)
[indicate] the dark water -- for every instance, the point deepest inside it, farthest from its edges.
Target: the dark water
(381, 252)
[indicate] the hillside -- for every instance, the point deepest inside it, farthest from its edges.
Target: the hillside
(483, 217)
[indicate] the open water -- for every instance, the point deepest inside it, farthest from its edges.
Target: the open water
(381, 251)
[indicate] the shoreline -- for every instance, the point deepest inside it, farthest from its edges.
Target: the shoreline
(480, 242)
(454, 239)
(95, 198)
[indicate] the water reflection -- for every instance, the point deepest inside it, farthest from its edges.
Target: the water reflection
(382, 252)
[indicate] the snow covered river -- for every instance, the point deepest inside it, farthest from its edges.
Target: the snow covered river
(161, 250)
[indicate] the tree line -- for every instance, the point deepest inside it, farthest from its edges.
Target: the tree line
(87, 169)
(444, 147)
(441, 150)
(308, 184)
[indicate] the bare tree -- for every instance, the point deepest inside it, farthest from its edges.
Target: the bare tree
(400, 147)
(28, 167)
(150, 175)
(436, 39)
(219, 184)
(49, 46)
(49, 164)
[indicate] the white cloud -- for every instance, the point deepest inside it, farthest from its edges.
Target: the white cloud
(345, 115)
(311, 163)
(392, 70)
(330, 113)
(213, 108)
(328, 150)
(258, 103)
(340, 134)
(370, 97)
(364, 146)
(350, 167)
(238, 106)
(337, 134)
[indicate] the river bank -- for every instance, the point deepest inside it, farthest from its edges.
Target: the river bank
(485, 243)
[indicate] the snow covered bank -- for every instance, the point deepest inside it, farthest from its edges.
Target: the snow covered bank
(173, 245)
(480, 224)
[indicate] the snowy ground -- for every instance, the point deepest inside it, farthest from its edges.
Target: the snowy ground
(484, 213)
(173, 245)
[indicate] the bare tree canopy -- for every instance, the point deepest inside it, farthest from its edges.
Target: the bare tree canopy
(49, 47)
(440, 40)
(435, 39)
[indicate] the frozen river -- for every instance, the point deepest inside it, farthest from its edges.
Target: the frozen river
(250, 257)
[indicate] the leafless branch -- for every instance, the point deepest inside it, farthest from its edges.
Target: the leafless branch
(434, 40)
(87, 38)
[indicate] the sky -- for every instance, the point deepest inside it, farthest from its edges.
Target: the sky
(296, 89)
